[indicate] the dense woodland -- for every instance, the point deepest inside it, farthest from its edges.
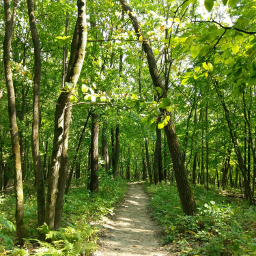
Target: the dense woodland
(93, 93)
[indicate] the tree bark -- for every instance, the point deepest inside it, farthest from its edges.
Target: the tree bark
(185, 192)
(36, 118)
(94, 184)
(117, 146)
(235, 141)
(19, 215)
(148, 162)
(63, 170)
(76, 154)
(112, 149)
(104, 149)
(1, 162)
(74, 68)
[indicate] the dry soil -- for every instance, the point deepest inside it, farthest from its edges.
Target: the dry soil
(131, 231)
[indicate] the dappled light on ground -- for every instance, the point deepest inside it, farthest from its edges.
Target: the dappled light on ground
(131, 231)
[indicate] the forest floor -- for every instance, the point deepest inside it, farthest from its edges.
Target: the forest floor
(131, 231)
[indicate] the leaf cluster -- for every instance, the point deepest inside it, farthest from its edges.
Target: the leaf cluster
(218, 228)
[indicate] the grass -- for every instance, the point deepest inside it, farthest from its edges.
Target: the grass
(81, 214)
(220, 227)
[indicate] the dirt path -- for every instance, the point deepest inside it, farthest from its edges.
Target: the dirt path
(131, 232)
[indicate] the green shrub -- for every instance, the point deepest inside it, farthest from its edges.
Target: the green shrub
(218, 228)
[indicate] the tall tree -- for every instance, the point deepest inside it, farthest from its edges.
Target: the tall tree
(184, 189)
(9, 25)
(74, 68)
(94, 183)
(38, 170)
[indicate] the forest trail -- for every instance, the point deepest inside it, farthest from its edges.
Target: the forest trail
(131, 231)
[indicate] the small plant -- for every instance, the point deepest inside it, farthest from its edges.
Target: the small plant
(218, 228)
(7, 228)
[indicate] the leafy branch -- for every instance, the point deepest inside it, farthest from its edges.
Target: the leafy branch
(225, 27)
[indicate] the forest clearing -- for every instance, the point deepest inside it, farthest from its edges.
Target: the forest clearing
(96, 95)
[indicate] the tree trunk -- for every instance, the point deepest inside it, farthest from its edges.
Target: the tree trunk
(117, 146)
(1, 162)
(235, 141)
(94, 184)
(148, 162)
(194, 169)
(19, 215)
(112, 149)
(74, 68)
(63, 170)
(144, 168)
(45, 159)
(78, 170)
(185, 192)
(36, 119)
(76, 154)
(104, 148)
(65, 54)
(207, 147)
(128, 163)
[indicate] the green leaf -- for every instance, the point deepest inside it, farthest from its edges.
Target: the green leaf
(184, 81)
(164, 123)
(252, 80)
(156, 52)
(208, 4)
(159, 90)
(194, 50)
(73, 99)
(232, 3)
(197, 69)
(224, 2)
(235, 49)
(160, 126)
(153, 127)
(242, 23)
(165, 102)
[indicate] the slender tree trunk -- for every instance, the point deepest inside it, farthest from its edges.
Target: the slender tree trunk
(207, 147)
(144, 167)
(148, 162)
(159, 155)
(94, 184)
(19, 215)
(63, 170)
(236, 145)
(1, 162)
(76, 154)
(156, 165)
(165, 158)
(104, 152)
(128, 168)
(117, 146)
(36, 118)
(65, 54)
(45, 159)
(74, 68)
(194, 168)
(78, 170)
(202, 180)
(112, 149)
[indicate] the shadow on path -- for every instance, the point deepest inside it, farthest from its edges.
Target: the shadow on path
(131, 231)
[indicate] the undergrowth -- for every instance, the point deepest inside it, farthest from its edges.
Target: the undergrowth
(220, 227)
(81, 215)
